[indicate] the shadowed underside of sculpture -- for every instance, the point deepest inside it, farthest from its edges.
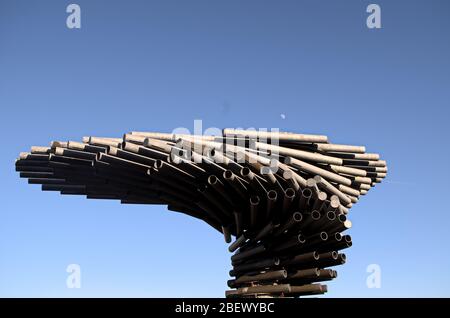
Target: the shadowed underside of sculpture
(284, 197)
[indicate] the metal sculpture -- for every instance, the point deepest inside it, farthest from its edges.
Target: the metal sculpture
(284, 197)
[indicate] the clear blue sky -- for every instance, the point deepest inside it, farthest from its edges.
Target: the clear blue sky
(158, 65)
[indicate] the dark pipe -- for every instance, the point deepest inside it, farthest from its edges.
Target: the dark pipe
(238, 220)
(254, 207)
(226, 234)
(288, 200)
(263, 277)
(232, 180)
(304, 199)
(293, 221)
(253, 180)
(271, 201)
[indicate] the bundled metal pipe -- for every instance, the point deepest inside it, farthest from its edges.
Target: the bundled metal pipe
(263, 277)
(281, 200)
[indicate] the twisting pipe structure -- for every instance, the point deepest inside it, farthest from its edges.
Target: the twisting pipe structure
(281, 199)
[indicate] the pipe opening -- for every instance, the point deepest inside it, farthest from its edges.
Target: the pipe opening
(348, 224)
(301, 238)
(290, 193)
(322, 196)
(254, 200)
(315, 215)
(307, 193)
(158, 164)
(297, 216)
(331, 215)
(245, 171)
(228, 174)
(272, 195)
(212, 179)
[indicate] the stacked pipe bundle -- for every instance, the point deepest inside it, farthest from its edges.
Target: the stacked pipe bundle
(284, 197)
